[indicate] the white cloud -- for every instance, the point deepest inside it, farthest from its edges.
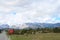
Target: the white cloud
(29, 11)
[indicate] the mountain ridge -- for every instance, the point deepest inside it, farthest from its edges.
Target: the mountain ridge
(32, 25)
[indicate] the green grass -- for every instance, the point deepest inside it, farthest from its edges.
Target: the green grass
(40, 36)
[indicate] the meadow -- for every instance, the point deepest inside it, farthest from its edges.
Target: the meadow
(38, 36)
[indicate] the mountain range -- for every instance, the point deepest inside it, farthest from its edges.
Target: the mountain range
(32, 25)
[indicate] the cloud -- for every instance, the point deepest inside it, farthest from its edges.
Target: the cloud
(21, 11)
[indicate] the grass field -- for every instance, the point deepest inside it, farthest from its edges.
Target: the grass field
(40, 36)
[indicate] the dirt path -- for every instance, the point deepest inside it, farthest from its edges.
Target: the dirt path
(3, 36)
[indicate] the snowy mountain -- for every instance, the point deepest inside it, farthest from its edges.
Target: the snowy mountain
(30, 25)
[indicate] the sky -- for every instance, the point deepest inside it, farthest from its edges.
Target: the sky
(22, 11)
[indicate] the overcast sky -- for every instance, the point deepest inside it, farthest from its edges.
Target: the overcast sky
(21, 11)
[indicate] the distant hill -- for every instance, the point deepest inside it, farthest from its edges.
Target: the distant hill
(32, 25)
(2, 26)
(42, 25)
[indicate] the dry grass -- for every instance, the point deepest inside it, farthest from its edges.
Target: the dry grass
(39, 36)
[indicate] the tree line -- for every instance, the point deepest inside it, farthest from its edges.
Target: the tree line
(37, 30)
